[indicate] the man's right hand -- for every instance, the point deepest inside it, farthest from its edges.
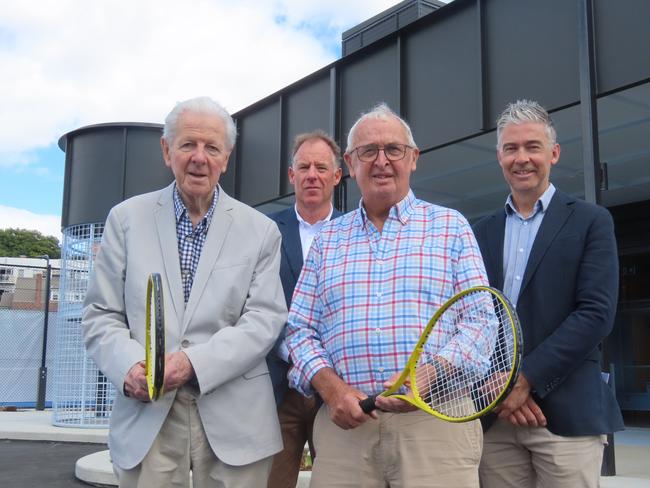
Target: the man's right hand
(135, 383)
(341, 399)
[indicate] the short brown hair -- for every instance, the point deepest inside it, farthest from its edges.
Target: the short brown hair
(321, 135)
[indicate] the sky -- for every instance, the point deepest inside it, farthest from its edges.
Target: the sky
(71, 63)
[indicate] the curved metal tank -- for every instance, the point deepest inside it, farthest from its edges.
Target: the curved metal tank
(104, 164)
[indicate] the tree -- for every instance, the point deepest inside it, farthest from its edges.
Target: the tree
(28, 243)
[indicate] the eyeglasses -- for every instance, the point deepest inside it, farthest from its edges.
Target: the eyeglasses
(370, 152)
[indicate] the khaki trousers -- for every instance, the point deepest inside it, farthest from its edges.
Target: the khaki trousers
(408, 450)
(534, 457)
(182, 446)
(296, 415)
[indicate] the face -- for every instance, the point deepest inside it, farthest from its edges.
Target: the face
(526, 155)
(383, 183)
(197, 156)
(314, 175)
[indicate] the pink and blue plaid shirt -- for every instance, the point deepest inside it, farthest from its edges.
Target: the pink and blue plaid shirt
(364, 297)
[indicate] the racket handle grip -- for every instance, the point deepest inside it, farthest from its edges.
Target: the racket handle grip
(368, 404)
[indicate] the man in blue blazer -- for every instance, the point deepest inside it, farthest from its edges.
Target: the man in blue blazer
(314, 173)
(555, 257)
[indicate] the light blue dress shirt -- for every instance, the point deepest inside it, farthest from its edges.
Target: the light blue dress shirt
(518, 240)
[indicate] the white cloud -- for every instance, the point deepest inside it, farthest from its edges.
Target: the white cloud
(49, 225)
(69, 63)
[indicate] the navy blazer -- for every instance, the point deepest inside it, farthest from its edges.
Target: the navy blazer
(566, 307)
(290, 267)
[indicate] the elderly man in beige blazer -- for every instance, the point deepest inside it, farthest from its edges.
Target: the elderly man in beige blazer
(224, 307)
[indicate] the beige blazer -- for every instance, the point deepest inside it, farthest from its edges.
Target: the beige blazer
(233, 316)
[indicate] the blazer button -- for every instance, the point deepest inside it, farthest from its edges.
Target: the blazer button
(185, 343)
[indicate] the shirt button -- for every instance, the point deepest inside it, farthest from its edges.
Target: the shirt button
(378, 294)
(525, 223)
(378, 330)
(521, 249)
(190, 238)
(381, 369)
(185, 343)
(517, 277)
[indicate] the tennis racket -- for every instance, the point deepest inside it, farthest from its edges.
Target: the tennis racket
(155, 340)
(466, 388)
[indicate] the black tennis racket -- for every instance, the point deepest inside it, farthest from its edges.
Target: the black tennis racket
(465, 391)
(155, 340)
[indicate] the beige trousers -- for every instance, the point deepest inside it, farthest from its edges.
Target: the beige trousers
(182, 446)
(408, 450)
(534, 457)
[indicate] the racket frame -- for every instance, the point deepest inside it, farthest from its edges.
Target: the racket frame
(155, 347)
(409, 372)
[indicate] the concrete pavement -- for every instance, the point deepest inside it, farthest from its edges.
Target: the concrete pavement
(632, 448)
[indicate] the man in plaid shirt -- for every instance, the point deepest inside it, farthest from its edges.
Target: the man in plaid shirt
(371, 282)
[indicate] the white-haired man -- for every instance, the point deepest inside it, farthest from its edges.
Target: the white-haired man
(219, 260)
(371, 282)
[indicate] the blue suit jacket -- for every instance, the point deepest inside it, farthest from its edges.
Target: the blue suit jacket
(290, 267)
(566, 307)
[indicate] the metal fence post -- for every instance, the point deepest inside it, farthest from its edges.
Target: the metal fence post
(42, 373)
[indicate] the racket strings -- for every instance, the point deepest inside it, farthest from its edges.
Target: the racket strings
(458, 386)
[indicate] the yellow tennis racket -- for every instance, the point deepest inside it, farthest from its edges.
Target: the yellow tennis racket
(155, 337)
(464, 388)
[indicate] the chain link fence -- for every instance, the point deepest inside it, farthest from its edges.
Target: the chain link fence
(24, 361)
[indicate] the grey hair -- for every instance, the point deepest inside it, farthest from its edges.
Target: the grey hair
(380, 112)
(318, 135)
(523, 111)
(204, 105)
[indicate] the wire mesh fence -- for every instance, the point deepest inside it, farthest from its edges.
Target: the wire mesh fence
(83, 396)
(24, 290)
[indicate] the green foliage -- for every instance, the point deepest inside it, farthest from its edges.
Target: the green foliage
(28, 243)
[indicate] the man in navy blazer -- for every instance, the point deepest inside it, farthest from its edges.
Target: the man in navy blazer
(314, 173)
(555, 257)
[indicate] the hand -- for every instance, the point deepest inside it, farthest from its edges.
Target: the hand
(394, 405)
(516, 398)
(493, 386)
(135, 382)
(529, 414)
(178, 370)
(341, 399)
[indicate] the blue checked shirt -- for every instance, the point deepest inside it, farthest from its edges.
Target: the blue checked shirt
(190, 239)
(364, 297)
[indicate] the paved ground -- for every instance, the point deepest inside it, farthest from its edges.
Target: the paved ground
(35, 454)
(35, 464)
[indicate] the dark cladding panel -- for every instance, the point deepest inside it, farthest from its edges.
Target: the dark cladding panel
(532, 52)
(145, 166)
(442, 79)
(622, 42)
(307, 109)
(258, 171)
(366, 82)
(96, 173)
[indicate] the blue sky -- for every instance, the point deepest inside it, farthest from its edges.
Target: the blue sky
(71, 63)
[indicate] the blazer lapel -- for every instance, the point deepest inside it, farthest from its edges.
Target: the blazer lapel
(165, 222)
(291, 244)
(558, 212)
(217, 233)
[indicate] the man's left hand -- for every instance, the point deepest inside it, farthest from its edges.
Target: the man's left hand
(394, 405)
(178, 370)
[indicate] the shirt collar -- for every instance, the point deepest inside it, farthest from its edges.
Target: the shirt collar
(541, 205)
(304, 222)
(401, 211)
(180, 209)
